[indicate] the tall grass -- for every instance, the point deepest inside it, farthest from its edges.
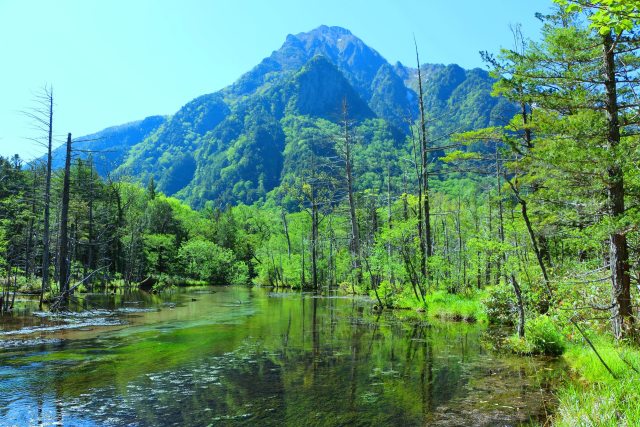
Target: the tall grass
(594, 397)
(457, 307)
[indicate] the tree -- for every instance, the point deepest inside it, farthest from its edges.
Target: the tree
(581, 81)
(151, 188)
(42, 116)
(204, 260)
(424, 221)
(63, 256)
(346, 151)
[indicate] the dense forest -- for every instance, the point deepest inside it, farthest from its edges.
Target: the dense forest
(412, 186)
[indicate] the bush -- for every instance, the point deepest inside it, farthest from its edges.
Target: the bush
(541, 337)
(500, 305)
(204, 260)
(456, 307)
(545, 336)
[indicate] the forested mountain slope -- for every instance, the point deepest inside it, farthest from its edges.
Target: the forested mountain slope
(235, 145)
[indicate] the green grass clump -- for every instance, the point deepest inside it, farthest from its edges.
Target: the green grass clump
(456, 307)
(594, 397)
(518, 345)
(463, 307)
(542, 336)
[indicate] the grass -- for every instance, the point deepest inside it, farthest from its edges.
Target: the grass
(541, 337)
(464, 307)
(456, 307)
(590, 396)
(593, 397)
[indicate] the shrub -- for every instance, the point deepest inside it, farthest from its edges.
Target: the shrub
(545, 336)
(207, 261)
(456, 307)
(541, 337)
(500, 305)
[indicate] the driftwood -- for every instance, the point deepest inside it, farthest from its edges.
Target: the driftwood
(58, 300)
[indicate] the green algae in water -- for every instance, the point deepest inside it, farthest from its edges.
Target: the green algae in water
(248, 357)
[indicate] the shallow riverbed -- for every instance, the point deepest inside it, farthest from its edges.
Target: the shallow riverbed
(239, 356)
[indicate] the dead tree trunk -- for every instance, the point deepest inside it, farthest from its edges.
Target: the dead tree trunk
(286, 232)
(424, 157)
(314, 244)
(63, 257)
(48, 98)
(355, 232)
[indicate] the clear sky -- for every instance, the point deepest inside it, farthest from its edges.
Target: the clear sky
(115, 61)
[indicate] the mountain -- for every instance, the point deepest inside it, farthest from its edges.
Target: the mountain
(363, 67)
(110, 147)
(238, 144)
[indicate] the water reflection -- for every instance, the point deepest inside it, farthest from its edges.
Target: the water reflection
(251, 357)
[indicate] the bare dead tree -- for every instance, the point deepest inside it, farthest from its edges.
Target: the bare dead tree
(424, 158)
(63, 258)
(42, 116)
(347, 143)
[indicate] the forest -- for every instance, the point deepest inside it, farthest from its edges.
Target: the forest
(530, 225)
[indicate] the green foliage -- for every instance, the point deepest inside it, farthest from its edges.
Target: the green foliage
(500, 305)
(467, 308)
(160, 251)
(607, 15)
(542, 336)
(593, 396)
(204, 260)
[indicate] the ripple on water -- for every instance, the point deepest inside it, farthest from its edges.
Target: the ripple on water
(21, 343)
(72, 320)
(88, 323)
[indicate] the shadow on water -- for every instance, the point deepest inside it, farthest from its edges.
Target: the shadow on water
(242, 356)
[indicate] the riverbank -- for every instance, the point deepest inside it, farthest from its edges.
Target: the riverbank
(591, 394)
(601, 389)
(595, 396)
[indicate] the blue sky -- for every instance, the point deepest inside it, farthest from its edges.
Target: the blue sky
(116, 61)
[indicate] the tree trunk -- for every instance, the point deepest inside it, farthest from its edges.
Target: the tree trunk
(489, 254)
(47, 201)
(286, 232)
(502, 259)
(355, 232)
(618, 251)
(90, 249)
(534, 243)
(389, 225)
(314, 245)
(63, 257)
(423, 246)
(424, 157)
(520, 304)
(117, 262)
(303, 279)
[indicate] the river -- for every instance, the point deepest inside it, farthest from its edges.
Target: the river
(250, 356)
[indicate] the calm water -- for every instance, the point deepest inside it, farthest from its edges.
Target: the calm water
(237, 356)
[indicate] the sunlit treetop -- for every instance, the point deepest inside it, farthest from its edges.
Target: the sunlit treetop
(607, 15)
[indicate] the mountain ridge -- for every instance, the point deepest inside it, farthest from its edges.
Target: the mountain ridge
(230, 146)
